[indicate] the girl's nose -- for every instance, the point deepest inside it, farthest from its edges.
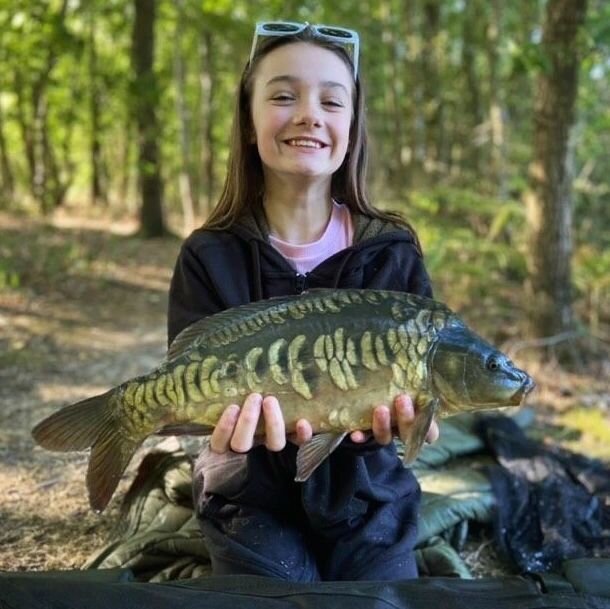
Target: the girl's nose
(308, 113)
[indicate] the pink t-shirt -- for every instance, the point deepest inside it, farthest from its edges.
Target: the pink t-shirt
(337, 235)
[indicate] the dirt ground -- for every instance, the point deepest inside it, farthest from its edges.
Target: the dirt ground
(68, 332)
(84, 310)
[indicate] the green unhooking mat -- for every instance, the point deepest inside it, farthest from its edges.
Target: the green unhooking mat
(116, 589)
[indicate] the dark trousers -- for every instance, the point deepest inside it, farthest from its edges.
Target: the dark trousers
(354, 519)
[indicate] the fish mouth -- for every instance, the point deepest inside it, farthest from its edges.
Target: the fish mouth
(526, 388)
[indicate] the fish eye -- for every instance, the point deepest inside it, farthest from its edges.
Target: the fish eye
(492, 363)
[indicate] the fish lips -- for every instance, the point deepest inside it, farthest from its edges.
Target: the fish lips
(526, 387)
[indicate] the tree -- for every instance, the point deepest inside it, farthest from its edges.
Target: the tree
(548, 201)
(144, 106)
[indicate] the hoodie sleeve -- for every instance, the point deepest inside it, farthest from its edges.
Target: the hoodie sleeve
(419, 281)
(192, 294)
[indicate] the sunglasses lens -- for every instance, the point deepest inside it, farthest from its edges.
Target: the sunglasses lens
(280, 27)
(337, 33)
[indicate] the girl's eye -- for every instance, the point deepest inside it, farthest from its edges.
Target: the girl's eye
(282, 97)
(333, 103)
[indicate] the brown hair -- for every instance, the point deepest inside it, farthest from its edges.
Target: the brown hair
(244, 182)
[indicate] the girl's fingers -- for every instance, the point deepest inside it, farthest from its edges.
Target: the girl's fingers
(302, 433)
(220, 442)
(403, 405)
(358, 437)
(405, 414)
(245, 428)
(237, 427)
(382, 425)
(275, 429)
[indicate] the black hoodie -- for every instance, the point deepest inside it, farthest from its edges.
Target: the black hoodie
(358, 511)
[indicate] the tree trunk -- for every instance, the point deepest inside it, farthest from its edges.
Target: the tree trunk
(433, 98)
(416, 126)
(186, 187)
(7, 183)
(207, 84)
(144, 105)
(496, 119)
(548, 201)
(394, 93)
(126, 175)
(27, 130)
(98, 190)
(473, 88)
(45, 177)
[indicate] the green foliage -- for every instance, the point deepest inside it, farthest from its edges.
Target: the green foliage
(430, 76)
(44, 258)
(473, 248)
(9, 279)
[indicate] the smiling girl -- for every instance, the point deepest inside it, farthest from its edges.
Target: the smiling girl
(295, 214)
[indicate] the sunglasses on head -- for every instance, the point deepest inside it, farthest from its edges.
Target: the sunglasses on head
(340, 35)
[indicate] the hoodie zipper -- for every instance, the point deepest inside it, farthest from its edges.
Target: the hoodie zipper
(301, 282)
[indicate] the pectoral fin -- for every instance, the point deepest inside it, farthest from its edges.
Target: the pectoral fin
(418, 430)
(312, 453)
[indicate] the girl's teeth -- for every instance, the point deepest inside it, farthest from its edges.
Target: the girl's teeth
(305, 143)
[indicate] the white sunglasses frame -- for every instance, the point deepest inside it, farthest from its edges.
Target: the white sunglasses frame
(354, 39)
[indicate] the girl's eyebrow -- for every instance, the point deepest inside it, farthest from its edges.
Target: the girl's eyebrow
(294, 79)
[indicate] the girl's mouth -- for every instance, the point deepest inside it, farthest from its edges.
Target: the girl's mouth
(305, 143)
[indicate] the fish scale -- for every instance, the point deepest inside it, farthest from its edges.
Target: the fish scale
(329, 356)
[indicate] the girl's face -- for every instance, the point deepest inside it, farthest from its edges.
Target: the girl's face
(301, 112)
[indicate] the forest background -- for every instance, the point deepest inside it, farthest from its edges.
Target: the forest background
(490, 131)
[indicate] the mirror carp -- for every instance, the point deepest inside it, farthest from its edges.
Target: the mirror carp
(329, 356)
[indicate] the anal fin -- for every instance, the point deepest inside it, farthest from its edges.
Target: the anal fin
(418, 430)
(312, 453)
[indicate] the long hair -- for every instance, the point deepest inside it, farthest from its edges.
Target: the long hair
(244, 185)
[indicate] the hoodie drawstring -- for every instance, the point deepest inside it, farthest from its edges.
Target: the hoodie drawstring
(256, 261)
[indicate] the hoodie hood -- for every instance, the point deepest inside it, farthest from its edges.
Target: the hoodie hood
(368, 232)
(253, 225)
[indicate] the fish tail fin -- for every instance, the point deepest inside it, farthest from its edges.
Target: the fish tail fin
(78, 426)
(110, 456)
(418, 431)
(91, 423)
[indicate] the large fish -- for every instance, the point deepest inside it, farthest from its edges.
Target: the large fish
(330, 356)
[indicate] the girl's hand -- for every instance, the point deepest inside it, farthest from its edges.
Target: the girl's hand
(236, 427)
(404, 414)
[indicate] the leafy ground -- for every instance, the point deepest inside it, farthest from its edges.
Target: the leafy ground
(82, 307)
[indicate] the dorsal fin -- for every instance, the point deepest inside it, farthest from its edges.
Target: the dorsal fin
(232, 320)
(207, 326)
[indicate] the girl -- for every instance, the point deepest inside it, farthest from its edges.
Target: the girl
(295, 214)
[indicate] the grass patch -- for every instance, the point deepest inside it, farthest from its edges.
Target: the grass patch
(592, 426)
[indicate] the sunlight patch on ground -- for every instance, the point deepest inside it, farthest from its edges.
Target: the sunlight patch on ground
(113, 341)
(593, 426)
(69, 218)
(149, 277)
(68, 392)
